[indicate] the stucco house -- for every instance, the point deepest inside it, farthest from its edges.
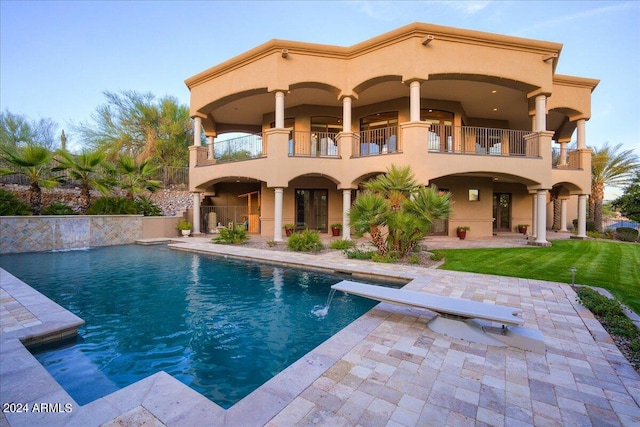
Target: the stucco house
(483, 116)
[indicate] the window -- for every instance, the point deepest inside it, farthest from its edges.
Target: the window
(441, 130)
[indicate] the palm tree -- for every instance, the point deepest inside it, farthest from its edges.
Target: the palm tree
(369, 214)
(85, 168)
(609, 168)
(136, 178)
(34, 162)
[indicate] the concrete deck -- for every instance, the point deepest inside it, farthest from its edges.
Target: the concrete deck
(385, 369)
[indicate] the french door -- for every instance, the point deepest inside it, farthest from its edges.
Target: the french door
(501, 212)
(312, 210)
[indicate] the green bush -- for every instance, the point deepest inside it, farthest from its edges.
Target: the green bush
(626, 234)
(389, 257)
(233, 235)
(58, 208)
(610, 311)
(10, 205)
(147, 207)
(591, 226)
(413, 259)
(307, 241)
(357, 253)
(113, 206)
(341, 244)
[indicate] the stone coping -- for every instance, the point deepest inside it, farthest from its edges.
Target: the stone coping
(290, 399)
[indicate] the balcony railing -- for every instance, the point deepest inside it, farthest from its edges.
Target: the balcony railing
(375, 142)
(481, 141)
(313, 144)
(241, 148)
(571, 160)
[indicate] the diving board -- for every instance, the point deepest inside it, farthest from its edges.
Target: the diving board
(458, 318)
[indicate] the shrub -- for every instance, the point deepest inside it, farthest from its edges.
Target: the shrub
(307, 241)
(413, 259)
(358, 253)
(626, 234)
(10, 205)
(389, 257)
(341, 244)
(147, 207)
(591, 226)
(58, 208)
(113, 206)
(232, 235)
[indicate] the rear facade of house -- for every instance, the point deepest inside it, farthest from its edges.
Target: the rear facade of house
(286, 133)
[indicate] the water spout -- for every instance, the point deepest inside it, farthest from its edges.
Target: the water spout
(321, 311)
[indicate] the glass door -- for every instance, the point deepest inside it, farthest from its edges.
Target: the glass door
(501, 212)
(312, 210)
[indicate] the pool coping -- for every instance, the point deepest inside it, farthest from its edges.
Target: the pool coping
(173, 403)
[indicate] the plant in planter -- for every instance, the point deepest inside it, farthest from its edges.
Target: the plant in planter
(522, 228)
(335, 229)
(184, 226)
(461, 231)
(288, 229)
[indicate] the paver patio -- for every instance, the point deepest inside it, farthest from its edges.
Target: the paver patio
(386, 369)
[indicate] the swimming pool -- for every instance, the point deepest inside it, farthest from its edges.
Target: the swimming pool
(222, 327)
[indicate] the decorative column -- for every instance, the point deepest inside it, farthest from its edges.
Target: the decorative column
(541, 220)
(580, 128)
(277, 215)
(196, 213)
(541, 113)
(534, 216)
(346, 114)
(346, 206)
(279, 109)
(582, 216)
(210, 147)
(563, 215)
(197, 131)
(414, 92)
(563, 154)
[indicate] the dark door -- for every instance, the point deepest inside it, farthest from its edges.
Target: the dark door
(312, 210)
(501, 212)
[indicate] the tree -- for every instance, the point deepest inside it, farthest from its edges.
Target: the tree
(609, 168)
(138, 126)
(135, 178)
(34, 162)
(86, 168)
(629, 202)
(396, 211)
(18, 131)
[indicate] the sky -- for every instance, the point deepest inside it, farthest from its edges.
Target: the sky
(57, 58)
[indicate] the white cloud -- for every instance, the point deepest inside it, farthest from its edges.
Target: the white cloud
(468, 7)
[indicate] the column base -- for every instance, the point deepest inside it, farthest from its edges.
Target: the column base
(534, 243)
(579, 237)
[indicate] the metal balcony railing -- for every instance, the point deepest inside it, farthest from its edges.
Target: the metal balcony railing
(481, 141)
(313, 144)
(242, 148)
(375, 142)
(570, 161)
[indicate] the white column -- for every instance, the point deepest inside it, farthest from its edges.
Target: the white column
(277, 215)
(534, 216)
(414, 91)
(563, 154)
(346, 206)
(563, 215)
(210, 146)
(580, 128)
(196, 213)
(197, 131)
(541, 113)
(346, 114)
(582, 216)
(279, 110)
(541, 220)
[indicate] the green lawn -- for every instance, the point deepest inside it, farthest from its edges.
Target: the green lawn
(611, 265)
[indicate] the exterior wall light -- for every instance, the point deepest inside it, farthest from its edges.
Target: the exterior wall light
(428, 39)
(285, 53)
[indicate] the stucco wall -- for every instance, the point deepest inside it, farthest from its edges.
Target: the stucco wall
(46, 233)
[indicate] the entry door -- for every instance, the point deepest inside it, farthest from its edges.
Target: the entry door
(312, 210)
(502, 212)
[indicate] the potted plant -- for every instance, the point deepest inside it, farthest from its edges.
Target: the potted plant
(184, 226)
(522, 228)
(461, 231)
(335, 229)
(288, 229)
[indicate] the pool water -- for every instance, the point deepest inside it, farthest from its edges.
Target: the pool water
(223, 327)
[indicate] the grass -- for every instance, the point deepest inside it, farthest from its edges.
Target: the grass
(614, 266)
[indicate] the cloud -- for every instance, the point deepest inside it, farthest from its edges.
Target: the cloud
(468, 7)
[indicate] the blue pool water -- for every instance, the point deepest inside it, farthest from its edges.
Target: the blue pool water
(222, 327)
